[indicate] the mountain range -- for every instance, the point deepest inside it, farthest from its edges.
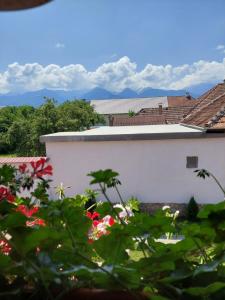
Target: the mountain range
(36, 98)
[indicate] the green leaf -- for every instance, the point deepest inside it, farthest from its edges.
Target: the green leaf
(36, 237)
(205, 291)
(211, 208)
(7, 174)
(5, 261)
(103, 176)
(112, 248)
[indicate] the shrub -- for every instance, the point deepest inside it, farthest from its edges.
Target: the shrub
(192, 210)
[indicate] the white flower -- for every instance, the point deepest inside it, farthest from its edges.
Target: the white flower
(125, 211)
(165, 207)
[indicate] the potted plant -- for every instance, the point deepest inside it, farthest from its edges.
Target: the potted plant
(60, 250)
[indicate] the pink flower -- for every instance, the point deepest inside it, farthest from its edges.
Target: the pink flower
(38, 222)
(5, 248)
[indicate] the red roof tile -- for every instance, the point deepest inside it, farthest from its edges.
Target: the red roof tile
(208, 96)
(18, 160)
(181, 101)
(172, 115)
(139, 120)
(210, 115)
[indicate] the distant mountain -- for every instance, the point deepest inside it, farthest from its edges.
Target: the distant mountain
(150, 92)
(98, 93)
(36, 98)
(127, 93)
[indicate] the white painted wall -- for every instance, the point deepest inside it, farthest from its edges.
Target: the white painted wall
(152, 171)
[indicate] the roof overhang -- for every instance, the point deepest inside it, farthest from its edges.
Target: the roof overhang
(121, 133)
(8, 5)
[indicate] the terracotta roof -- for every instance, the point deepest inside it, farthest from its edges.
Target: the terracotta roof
(18, 160)
(172, 115)
(138, 120)
(211, 114)
(181, 101)
(208, 96)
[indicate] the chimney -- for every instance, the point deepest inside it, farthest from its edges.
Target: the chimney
(160, 108)
(188, 96)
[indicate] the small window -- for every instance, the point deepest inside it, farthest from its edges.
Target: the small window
(192, 162)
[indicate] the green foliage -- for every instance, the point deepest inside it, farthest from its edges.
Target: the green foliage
(129, 256)
(192, 210)
(21, 127)
(131, 113)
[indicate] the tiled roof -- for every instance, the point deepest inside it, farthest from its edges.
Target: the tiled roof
(210, 115)
(18, 160)
(208, 96)
(139, 120)
(181, 101)
(172, 115)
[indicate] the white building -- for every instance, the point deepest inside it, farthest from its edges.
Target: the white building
(156, 163)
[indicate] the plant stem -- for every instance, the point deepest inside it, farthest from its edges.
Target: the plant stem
(218, 183)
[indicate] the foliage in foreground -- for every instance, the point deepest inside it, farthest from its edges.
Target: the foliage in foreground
(50, 247)
(21, 127)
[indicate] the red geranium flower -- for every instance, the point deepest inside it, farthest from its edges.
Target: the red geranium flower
(93, 216)
(39, 168)
(23, 209)
(6, 194)
(22, 168)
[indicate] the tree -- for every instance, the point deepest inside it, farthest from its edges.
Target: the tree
(21, 127)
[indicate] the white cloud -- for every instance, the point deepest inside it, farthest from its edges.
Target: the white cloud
(220, 47)
(60, 45)
(114, 76)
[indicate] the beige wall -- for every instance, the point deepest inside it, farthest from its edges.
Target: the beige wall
(153, 171)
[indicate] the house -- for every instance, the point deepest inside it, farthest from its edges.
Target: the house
(118, 111)
(156, 163)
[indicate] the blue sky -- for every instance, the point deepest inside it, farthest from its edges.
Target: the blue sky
(91, 33)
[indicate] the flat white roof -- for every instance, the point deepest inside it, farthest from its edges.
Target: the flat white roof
(123, 106)
(143, 132)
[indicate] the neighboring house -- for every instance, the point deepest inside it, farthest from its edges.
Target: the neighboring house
(119, 109)
(156, 163)
(151, 116)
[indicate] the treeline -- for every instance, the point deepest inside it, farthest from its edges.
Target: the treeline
(21, 127)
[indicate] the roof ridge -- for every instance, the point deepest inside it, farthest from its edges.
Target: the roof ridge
(216, 117)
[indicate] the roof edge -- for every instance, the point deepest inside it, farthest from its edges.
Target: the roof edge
(123, 137)
(194, 126)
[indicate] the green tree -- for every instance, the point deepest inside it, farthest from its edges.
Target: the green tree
(21, 127)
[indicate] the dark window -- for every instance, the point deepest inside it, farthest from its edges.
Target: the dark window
(192, 162)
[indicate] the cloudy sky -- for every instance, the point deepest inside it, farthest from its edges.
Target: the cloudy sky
(113, 44)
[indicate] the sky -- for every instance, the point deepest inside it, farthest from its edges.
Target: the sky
(113, 44)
